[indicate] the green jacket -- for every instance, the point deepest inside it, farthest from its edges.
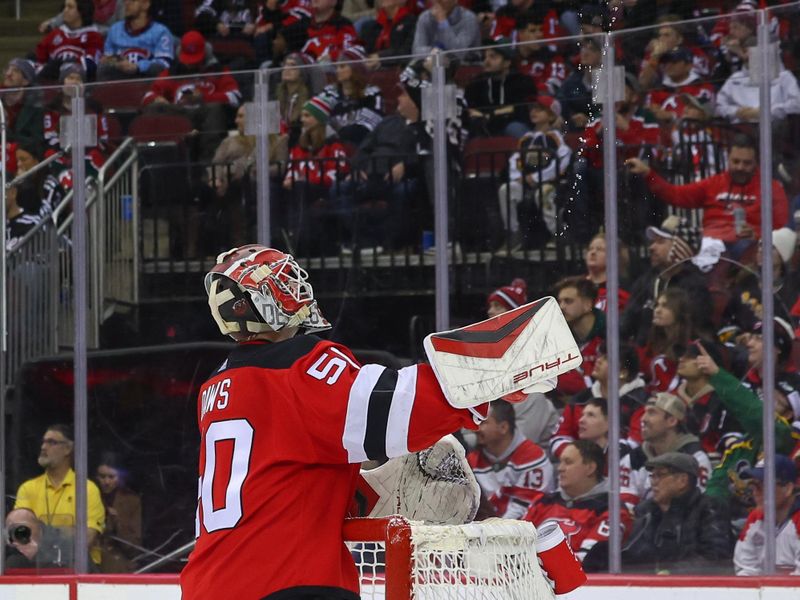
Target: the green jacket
(747, 408)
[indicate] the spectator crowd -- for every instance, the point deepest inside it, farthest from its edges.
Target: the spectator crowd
(352, 154)
(688, 91)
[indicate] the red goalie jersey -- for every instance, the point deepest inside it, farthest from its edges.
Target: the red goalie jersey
(283, 429)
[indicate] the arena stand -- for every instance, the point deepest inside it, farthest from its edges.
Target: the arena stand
(165, 202)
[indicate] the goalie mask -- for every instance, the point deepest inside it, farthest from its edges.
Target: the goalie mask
(254, 289)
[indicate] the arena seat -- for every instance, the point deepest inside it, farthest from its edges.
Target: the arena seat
(121, 96)
(386, 79)
(467, 73)
(228, 49)
(115, 132)
(150, 128)
(488, 157)
(573, 140)
(478, 222)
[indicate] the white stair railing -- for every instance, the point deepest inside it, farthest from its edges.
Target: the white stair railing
(39, 267)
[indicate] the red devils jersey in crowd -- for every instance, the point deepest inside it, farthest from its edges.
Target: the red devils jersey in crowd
(631, 139)
(504, 24)
(547, 69)
(710, 420)
(667, 97)
(632, 398)
(602, 301)
(583, 520)
(513, 481)
(84, 45)
(288, 13)
(660, 373)
(324, 167)
(52, 127)
(213, 87)
(283, 428)
(701, 63)
(321, 39)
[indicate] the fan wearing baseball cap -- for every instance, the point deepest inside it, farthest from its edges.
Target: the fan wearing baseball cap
(748, 556)
(497, 97)
(787, 379)
(679, 529)
(529, 196)
(189, 88)
(663, 430)
(671, 245)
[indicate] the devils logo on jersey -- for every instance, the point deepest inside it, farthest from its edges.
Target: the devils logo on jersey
(568, 526)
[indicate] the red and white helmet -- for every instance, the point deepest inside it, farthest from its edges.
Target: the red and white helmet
(254, 289)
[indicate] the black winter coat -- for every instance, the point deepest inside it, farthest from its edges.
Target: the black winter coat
(501, 99)
(693, 536)
(391, 142)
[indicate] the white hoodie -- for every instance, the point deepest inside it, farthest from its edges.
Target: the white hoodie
(739, 92)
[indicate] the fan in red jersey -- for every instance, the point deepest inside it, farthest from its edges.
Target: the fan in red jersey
(285, 422)
(580, 505)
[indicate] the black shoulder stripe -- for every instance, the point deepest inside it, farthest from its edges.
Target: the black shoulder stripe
(281, 355)
(380, 401)
(638, 458)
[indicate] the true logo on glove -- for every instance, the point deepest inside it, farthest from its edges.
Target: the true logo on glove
(545, 366)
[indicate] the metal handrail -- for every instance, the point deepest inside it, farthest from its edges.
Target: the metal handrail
(101, 173)
(67, 201)
(38, 167)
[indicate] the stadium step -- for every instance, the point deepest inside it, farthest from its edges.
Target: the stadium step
(19, 37)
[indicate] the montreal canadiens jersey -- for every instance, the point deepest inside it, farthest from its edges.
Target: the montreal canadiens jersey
(152, 44)
(748, 555)
(283, 428)
(63, 44)
(515, 480)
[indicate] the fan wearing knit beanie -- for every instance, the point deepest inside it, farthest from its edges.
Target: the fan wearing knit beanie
(316, 162)
(357, 107)
(319, 108)
(507, 298)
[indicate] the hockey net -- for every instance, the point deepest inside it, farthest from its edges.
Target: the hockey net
(490, 560)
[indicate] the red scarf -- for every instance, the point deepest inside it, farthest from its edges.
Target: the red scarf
(386, 24)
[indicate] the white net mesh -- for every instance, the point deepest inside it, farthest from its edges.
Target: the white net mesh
(490, 560)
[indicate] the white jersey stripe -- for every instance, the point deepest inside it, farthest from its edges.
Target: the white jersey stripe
(355, 424)
(400, 412)
(344, 356)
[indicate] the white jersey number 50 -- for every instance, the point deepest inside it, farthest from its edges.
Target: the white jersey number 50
(240, 432)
